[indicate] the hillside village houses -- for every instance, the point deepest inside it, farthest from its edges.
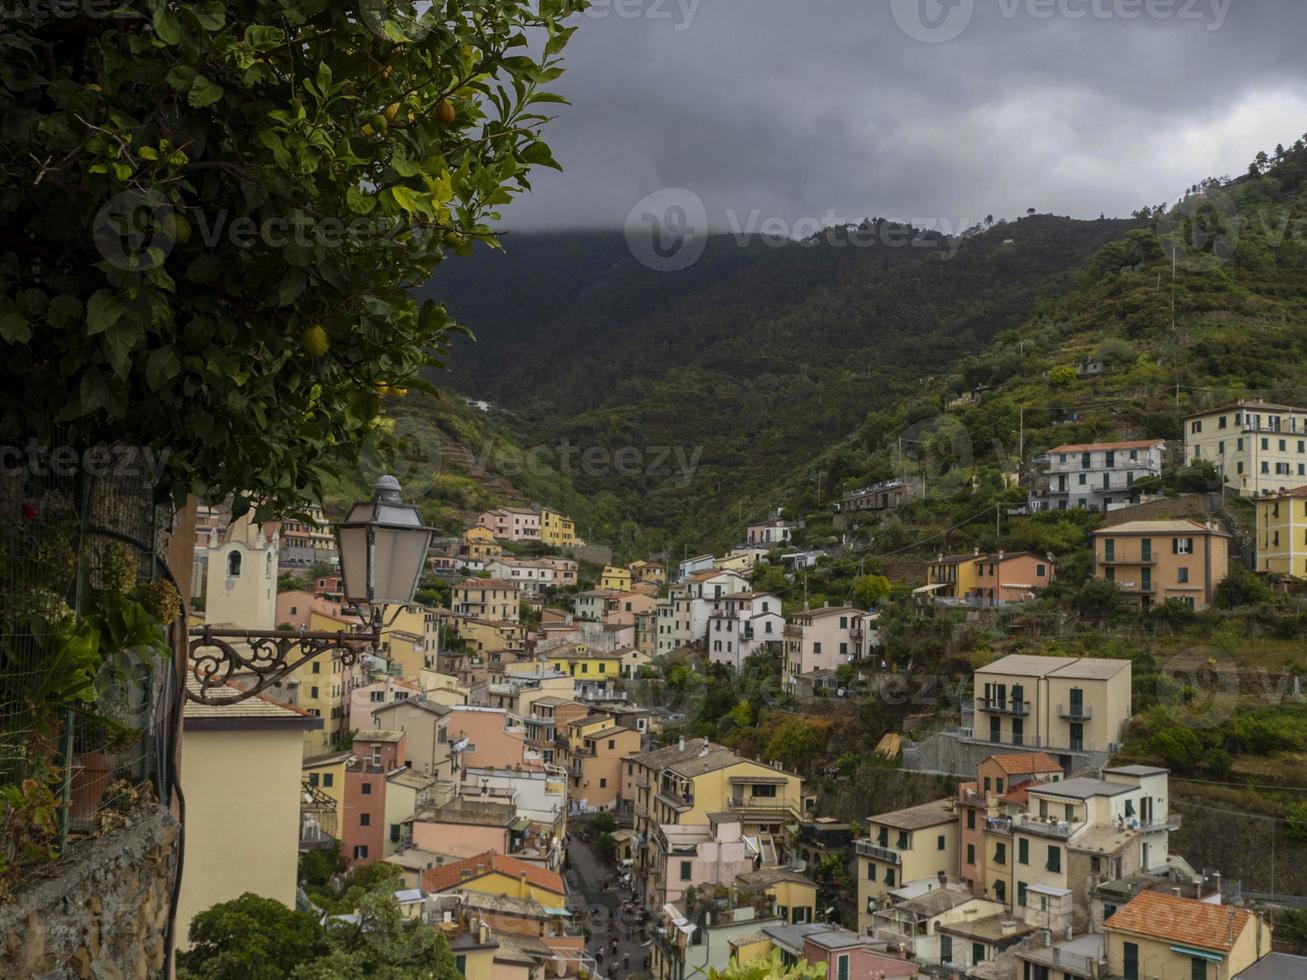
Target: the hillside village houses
(1281, 533)
(1098, 476)
(476, 741)
(1152, 562)
(1257, 447)
(989, 580)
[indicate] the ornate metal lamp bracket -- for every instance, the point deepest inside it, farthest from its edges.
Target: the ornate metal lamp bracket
(271, 657)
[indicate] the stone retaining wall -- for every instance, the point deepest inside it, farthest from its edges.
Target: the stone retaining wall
(105, 916)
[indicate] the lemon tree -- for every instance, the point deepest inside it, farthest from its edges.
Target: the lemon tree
(212, 214)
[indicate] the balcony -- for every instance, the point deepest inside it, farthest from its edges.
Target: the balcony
(865, 848)
(1076, 712)
(1173, 821)
(317, 819)
(1047, 827)
(996, 707)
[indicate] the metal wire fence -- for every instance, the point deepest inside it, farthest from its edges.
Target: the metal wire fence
(85, 679)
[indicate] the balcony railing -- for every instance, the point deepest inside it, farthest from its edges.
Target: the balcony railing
(997, 707)
(866, 848)
(1047, 827)
(1076, 712)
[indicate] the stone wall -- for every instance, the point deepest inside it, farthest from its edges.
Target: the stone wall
(105, 916)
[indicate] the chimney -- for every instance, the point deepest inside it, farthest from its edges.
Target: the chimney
(680, 745)
(1009, 927)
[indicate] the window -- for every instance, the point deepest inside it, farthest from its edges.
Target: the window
(1196, 427)
(946, 949)
(1182, 546)
(317, 668)
(940, 843)
(1183, 574)
(685, 870)
(977, 953)
(1000, 853)
(1021, 894)
(889, 876)
(1197, 969)
(871, 872)
(971, 854)
(365, 820)
(366, 789)
(998, 785)
(394, 833)
(603, 784)
(903, 840)
(1054, 858)
(360, 852)
(842, 970)
(328, 779)
(1041, 571)
(234, 565)
(971, 818)
(1023, 851)
(1000, 891)
(313, 693)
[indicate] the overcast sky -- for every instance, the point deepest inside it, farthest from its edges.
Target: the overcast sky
(808, 109)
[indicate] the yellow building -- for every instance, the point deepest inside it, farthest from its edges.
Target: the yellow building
(952, 576)
(489, 600)
(479, 544)
(794, 897)
(1154, 561)
(905, 845)
(596, 748)
(1164, 937)
(1073, 704)
(557, 530)
(1257, 447)
(1282, 533)
(615, 579)
(585, 664)
(648, 571)
(683, 783)
(321, 689)
(241, 778)
(326, 773)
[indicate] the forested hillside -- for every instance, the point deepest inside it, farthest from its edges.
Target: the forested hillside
(754, 359)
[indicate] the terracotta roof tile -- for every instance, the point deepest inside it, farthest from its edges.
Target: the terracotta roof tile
(1181, 920)
(1026, 762)
(449, 876)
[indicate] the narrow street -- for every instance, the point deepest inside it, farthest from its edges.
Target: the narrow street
(603, 913)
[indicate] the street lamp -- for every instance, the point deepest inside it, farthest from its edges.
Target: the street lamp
(383, 548)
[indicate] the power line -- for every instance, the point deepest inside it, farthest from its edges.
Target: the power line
(938, 534)
(1266, 786)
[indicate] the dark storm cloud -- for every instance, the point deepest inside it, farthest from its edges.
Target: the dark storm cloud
(817, 108)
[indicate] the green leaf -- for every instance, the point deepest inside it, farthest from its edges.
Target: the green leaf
(161, 367)
(118, 342)
(203, 93)
(291, 288)
(15, 328)
(167, 26)
(211, 15)
(102, 312)
(405, 198)
(359, 202)
(324, 78)
(263, 38)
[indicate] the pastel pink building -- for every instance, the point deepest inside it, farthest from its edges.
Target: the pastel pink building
(511, 523)
(698, 856)
(367, 698)
(491, 742)
(295, 608)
